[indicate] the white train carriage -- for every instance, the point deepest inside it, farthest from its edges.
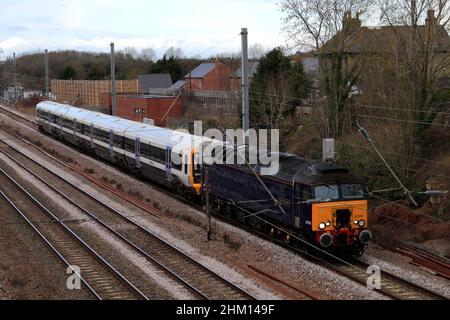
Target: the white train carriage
(159, 154)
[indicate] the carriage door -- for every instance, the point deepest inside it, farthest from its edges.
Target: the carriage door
(169, 163)
(137, 153)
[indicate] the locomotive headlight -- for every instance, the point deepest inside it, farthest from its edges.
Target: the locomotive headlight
(362, 223)
(322, 226)
(356, 222)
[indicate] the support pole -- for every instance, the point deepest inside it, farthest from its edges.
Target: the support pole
(47, 79)
(245, 87)
(208, 205)
(113, 81)
(366, 136)
(15, 79)
(1, 76)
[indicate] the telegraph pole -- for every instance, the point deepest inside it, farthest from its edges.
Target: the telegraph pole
(15, 78)
(1, 75)
(245, 87)
(47, 81)
(113, 81)
(208, 204)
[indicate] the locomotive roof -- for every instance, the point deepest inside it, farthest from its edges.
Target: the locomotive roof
(313, 172)
(128, 128)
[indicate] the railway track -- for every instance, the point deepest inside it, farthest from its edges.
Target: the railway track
(198, 279)
(97, 275)
(424, 259)
(392, 286)
(23, 120)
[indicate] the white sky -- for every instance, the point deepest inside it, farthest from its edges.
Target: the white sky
(199, 27)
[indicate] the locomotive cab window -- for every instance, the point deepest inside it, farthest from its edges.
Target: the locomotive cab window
(352, 191)
(304, 193)
(326, 192)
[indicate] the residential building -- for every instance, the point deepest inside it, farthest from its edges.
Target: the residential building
(381, 47)
(236, 77)
(214, 76)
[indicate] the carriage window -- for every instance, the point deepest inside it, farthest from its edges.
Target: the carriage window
(130, 145)
(153, 153)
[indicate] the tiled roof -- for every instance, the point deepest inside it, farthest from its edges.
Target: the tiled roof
(201, 71)
(154, 81)
(178, 85)
(252, 68)
(384, 39)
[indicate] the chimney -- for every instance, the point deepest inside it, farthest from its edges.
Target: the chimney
(351, 23)
(431, 23)
(431, 19)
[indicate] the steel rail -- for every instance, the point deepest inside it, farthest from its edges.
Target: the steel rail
(48, 243)
(328, 265)
(32, 125)
(69, 231)
(133, 223)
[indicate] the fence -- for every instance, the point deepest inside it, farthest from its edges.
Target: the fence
(89, 93)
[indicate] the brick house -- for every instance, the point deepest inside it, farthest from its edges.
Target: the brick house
(214, 76)
(378, 45)
(236, 77)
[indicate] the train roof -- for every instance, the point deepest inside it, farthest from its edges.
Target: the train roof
(313, 172)
(309, 172)
(127, 128)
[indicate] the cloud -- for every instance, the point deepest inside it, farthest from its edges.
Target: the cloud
(199, 27)
(12, 43)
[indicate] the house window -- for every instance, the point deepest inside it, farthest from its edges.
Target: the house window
(139, 111)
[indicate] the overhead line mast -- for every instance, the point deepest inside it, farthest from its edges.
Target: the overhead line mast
(366, 136)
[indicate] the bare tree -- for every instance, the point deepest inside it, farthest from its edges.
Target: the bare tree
(256, 51)
(406, 83)
(328, 28)
(310, 24)
(148, 55)
(130, 52)
(173, 52)
(420, 51)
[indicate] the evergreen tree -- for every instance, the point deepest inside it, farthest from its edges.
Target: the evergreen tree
(278, 86)
(171, 66)
(68, 73)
